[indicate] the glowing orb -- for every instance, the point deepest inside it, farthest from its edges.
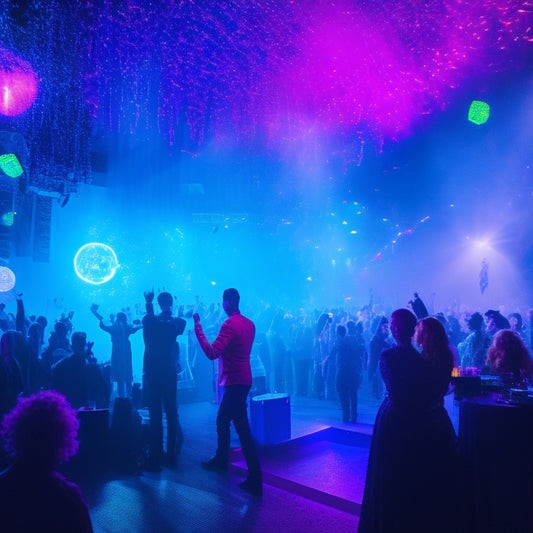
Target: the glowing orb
(479, 112)
(95, 263)
(10, 164)
(7, 279)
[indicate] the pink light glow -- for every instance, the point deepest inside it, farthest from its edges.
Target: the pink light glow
(372, 71)
(350, 71)
(18, 84)
(302, 76)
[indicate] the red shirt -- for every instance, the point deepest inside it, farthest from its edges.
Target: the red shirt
(232, 347)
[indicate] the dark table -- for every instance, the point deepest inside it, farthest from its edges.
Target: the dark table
(496, 447)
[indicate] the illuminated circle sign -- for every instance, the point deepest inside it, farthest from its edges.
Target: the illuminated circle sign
(7, 279)
(95, 263)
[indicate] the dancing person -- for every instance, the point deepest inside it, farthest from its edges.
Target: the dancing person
(232, 348)
(321, 351)
(30, 347)
(349, 351)
(11, 374)
(121, 356)
(412, 455)
(58, 347)
(40, 433)
(302, 353)
(509, 358)
(69, 375)
(35, 344)
(378, 344)
(496, 322)
(160, 376)
(473, 350)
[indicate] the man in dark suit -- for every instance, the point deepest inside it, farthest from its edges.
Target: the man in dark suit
(160, 376)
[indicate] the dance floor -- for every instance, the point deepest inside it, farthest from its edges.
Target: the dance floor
(314, 482)
(327, 466)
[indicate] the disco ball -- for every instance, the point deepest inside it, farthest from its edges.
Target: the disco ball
(7, 279)
(95, 263)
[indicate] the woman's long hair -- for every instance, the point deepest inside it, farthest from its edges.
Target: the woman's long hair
(508, 354)
(431, 336)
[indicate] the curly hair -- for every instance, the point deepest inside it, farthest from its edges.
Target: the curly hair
(431, 336)
(508, 354)
(41, 430)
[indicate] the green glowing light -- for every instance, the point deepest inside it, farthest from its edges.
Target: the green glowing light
(479, 112)
(8, 219)
(10, 165)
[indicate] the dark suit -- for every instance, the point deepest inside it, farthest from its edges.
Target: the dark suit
(160, 378)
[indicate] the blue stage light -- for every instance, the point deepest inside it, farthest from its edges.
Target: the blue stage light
(95, 263)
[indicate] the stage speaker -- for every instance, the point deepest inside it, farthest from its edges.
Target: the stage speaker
(125, 437)
(93, 436)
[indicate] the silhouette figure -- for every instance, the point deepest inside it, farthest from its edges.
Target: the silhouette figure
(40, 433)
(160, 375)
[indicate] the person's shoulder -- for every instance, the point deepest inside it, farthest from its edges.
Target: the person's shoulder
(69, 492)
(179, 324)
(60, 481)
(238, 318)
(64, 362)
(390, 352)
(248, 321)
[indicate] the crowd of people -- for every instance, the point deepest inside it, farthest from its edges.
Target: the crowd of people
(328, 353)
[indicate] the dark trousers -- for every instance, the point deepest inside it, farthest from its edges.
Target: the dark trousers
(233, 408)
(347, 390)
(162, 393)
(302, 369)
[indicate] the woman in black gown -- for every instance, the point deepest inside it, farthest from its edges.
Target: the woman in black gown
(410, 483)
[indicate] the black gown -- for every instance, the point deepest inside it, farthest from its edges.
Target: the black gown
(410, 483)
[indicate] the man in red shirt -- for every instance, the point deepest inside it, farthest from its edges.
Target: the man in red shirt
(232, 348)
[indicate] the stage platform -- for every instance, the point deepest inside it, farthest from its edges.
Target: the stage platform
(327, 466)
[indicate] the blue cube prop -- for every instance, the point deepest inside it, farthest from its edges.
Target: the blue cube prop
(270, 418)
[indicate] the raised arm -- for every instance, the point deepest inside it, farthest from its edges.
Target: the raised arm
(94, 311)
(20, 318)
(149, 300)
(215, 350)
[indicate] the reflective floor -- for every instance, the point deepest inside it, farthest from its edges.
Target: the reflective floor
(314, 483)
